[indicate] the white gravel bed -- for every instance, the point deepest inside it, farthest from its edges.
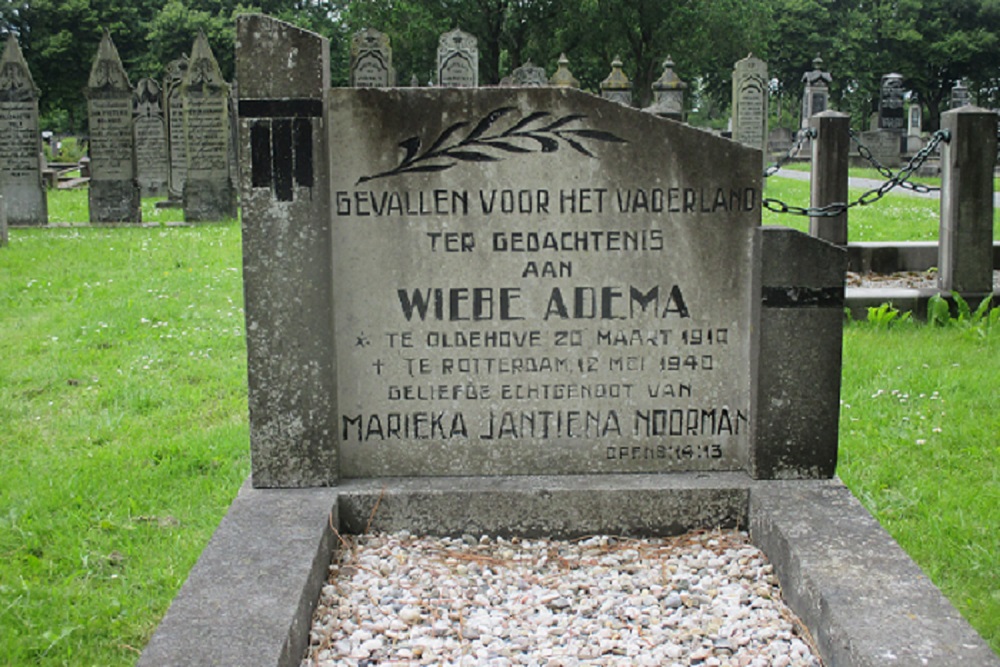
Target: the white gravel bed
(699, 599)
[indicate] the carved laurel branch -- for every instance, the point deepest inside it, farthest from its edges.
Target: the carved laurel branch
(448, 151)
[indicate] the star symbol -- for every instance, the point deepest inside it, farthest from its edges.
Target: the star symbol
(363, 340)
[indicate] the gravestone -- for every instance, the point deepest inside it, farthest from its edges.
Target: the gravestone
(526, 75)
(20, 142)
(150, 138)
(750, 89)
(890, 106)
(208, 189)
(458, 60)
(176, 146)
(914, 126)
(616, 86)
(668, 93)
(884, 146)
(960, 96)
(526, 280)
(816, 93)
(114, 190)
(371, 60)
(562, 77)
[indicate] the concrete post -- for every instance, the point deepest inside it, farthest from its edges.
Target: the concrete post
(965, 250)
(830, 151)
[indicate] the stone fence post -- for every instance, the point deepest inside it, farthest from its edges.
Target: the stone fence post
(965, 250)
(828, 184)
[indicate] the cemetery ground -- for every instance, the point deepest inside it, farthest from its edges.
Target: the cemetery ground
(123, 434)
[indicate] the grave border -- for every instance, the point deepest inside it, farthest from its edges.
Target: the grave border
(250, 598)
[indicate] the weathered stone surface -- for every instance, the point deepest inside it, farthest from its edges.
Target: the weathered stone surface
(174, 116)
(537, 281)
(796, 358)
(150, 138)
(20, 141)
(864, 601)
(527, 75)
(750, 90)
(249, 599)
(866, 604)
(458, 60)
(616, 86)
(966, 223)
(114, 191)
(371, 60)
(287, 248)
(208, 188)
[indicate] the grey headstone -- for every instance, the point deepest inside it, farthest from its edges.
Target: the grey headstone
(176, 146)
(150, 138)
(528, 296)
(668, 93)
(891, 114)
(458, 60)
(114, 190)
(371, 60)
(750, 90)
(208, 189)
(20, 141)
(915, 117)
(884, 146)
(816, 92)
(616, 86)
(528, 75)
(960, 96)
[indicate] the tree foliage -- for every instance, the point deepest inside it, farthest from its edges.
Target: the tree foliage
(932, 43)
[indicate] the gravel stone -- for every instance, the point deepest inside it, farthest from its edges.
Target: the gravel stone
(705, 598)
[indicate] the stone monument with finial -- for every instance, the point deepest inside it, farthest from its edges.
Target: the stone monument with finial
(616, 87)
(668, 93)
(562, 77)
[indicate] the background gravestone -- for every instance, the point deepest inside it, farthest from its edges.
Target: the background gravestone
(750, 88)
(891, 113)
(150, 138)
(816, 94)
(527, 75)
(668, 93)
(371, 60)
(208, 189)
(458, 60)
(616, 86)
(563, 77)
(20, 141)
(960, 96)
(114, 191)
(174, 116)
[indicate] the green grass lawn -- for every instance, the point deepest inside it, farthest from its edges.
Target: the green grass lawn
(123, 434)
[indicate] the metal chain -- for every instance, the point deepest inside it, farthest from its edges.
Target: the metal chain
(866, 153)
(872, 196)
(807, 133)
